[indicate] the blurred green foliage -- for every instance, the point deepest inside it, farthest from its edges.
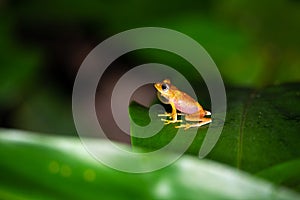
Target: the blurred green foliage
(253, 44)
(44, 42)
(60, 168)
(260, 134)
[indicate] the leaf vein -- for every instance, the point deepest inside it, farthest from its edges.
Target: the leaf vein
(242, 126)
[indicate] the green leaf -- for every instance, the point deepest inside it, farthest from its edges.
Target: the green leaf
(45, 167)
(287, 173)
(261, 131)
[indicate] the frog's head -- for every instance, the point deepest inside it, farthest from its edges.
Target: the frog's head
(164, 87)
(164, 93)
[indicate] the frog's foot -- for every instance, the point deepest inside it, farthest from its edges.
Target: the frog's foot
(171, 121)
(207, 113)
(168, 114)
(165, 115)
(187, 126)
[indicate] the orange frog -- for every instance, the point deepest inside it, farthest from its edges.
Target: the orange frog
(189, 107)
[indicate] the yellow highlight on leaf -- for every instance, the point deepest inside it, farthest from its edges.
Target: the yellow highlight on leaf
(65, 171)
(89, 175)
(53, 167)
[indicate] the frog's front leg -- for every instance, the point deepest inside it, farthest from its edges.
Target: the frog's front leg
(172, 115)
(169, 114)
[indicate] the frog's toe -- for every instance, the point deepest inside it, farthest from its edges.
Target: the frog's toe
(180, 126)
(164, 115)
(185, 126)
(170, 121)
(207, 113)
(166, 121)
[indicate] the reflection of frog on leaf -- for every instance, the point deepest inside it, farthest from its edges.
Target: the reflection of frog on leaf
(189, 107)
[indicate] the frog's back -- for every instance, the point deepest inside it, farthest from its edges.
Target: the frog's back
(186, 104)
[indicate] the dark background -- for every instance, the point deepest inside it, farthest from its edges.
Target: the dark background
(43, 43)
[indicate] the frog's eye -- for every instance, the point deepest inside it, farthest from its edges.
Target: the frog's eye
(165, 87)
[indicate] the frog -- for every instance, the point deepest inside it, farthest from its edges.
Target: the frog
(181, 101)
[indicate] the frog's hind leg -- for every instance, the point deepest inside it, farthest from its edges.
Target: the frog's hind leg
(203, 122)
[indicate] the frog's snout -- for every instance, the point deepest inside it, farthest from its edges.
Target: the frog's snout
(156, 85)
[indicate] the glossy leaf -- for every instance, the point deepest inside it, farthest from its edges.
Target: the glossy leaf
(45, 167)
(261, 131)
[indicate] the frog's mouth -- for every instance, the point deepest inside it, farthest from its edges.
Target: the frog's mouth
(162, 98)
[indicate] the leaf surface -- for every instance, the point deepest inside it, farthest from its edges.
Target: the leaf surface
(261, 131)
(45, 167)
